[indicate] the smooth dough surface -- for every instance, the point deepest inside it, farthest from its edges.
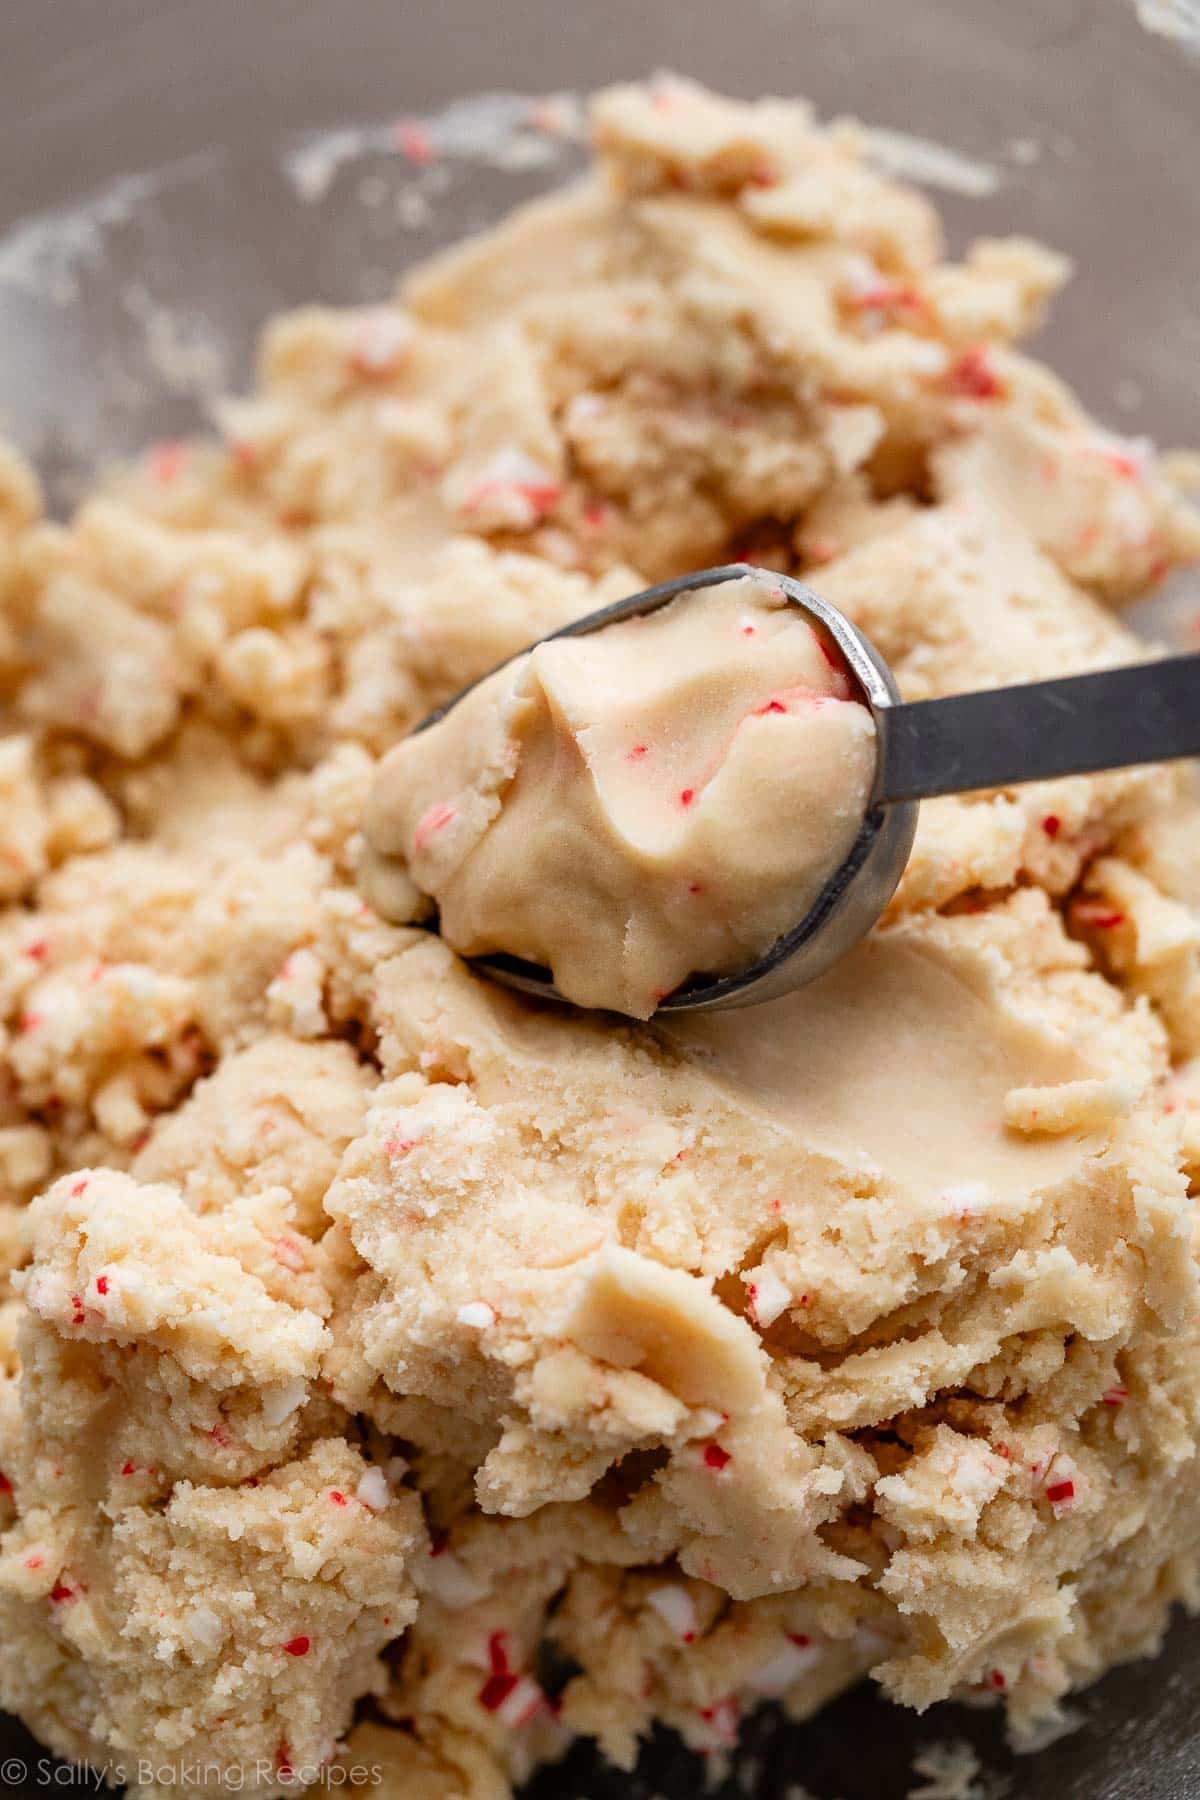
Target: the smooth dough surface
(663, 798)
(366, 1332)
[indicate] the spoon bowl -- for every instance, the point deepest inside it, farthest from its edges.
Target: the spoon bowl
(856, 894)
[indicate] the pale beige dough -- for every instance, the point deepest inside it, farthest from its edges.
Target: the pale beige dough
(663, 798)
(350, 1300)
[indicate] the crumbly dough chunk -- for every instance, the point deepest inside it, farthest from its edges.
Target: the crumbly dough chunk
(663, 798)
(367, 1331)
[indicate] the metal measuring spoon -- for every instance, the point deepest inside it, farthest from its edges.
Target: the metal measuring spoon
(1075, 725)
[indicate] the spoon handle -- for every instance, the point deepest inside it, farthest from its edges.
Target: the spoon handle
(1072, 726)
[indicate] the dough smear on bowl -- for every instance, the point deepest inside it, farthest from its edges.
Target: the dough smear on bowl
(367, 1334)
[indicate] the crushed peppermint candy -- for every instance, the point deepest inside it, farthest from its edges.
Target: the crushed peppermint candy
(676, 1608)
(510, 491)
(1096, 913)
(298, 1646)
(413, 141)
(767, 1294)
(972, 376)
(280, 1402)
(476, 1314)
(382, 340)
(1060, 1491)
(449, 1580)
(289, 1252)
(165, 463)
(1115, 1396)
(373, 1490)
(434, 819)
(515, 1699)
(721, 1719)
(794, 1658)
(716, 1458)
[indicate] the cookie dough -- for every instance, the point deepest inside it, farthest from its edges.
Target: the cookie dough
(394, 1375)
(662, 798)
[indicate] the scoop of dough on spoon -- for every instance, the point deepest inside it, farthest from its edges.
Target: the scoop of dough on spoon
(703, 796)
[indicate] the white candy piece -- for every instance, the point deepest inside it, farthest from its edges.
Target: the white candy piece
(521, 1704)
(449, 1580)
(769, 1295)
(477, 1314)
(381, 340)
(677, 1609)
(373, 1490)
(784, 1669)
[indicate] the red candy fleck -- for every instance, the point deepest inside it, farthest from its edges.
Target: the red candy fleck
(37, 952)
(338, 1499)
(498, 1660)
(695, 887)
(799, 1638)
(77, 1309)
(972, 376)
(297, 1646)
(1122, 464)
(102, 1284)
(283, 1759)
(413, 141)
(288, 1252)
(543, 496)
(128, 1468)
(165, 463)
(438, 1543)
(6, 1486)
(1094, 912)
(886, 296)
(772, 706)
(687, 795)
(715, 1457)
(996, 1678)
(1115, 1396)
(29, 1021)
(395, 1145)
(78, 1187)
(62, 1591)
(1051, 825)
(1059, 1492)
(495, 1691)
(636, 753)
(597, 513)
(435, 819)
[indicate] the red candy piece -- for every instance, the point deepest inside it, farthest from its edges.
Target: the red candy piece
(973, 377)
(495, 1691)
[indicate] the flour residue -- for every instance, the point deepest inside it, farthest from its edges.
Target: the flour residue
(46, 253)
(503, 130)
(1175, 19)
(913, 158)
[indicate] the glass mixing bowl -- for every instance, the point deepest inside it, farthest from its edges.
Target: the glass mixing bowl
(172, 175)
